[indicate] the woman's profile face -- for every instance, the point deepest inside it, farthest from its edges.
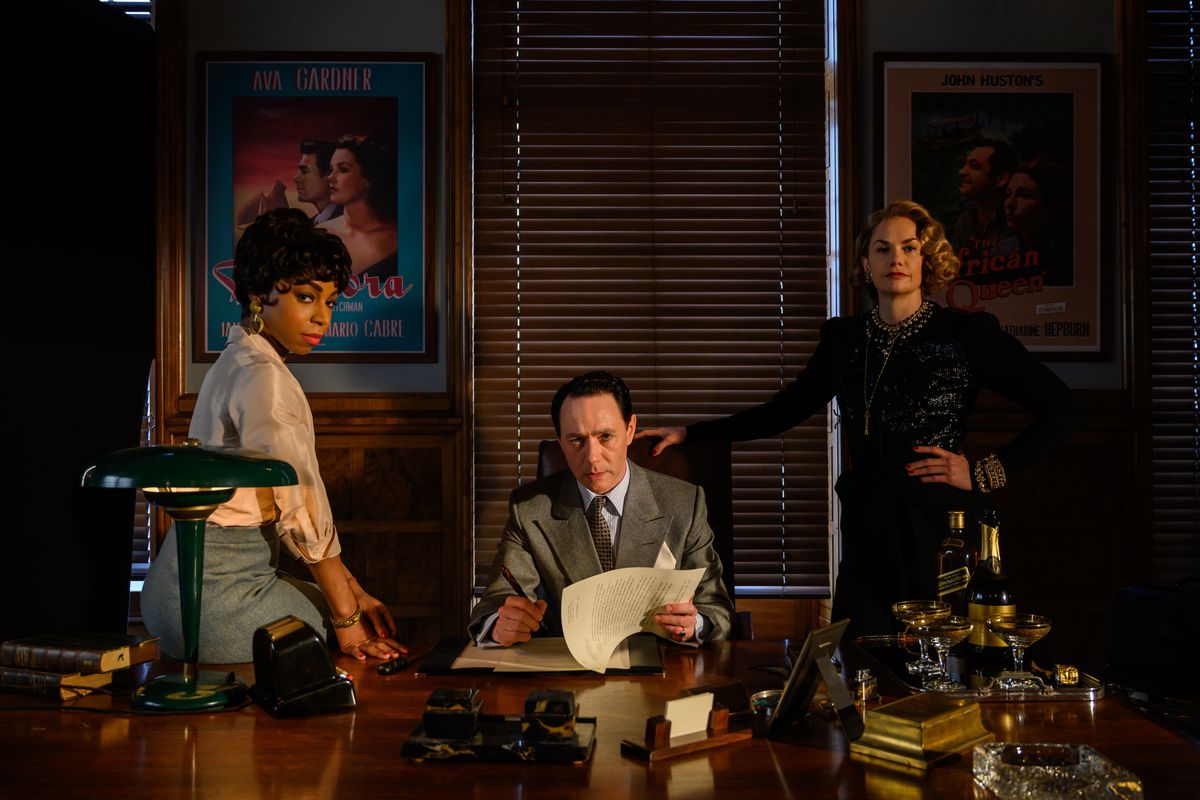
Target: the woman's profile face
(346, 180)
(1023, 208)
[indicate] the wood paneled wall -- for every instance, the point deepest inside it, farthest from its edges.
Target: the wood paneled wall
(395, 465)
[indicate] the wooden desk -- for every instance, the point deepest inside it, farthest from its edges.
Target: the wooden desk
(247, 754)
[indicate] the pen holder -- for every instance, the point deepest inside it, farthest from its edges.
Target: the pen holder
(452, 714)
(549, 716)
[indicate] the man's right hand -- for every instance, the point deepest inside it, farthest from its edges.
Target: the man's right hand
(669, 436)
(517, 619)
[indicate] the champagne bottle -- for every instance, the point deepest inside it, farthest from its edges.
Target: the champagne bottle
(956, 560)
(988, 595)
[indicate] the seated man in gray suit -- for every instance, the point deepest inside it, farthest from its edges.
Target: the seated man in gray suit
(605, 512)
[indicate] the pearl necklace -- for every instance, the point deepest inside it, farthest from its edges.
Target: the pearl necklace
(879, 332)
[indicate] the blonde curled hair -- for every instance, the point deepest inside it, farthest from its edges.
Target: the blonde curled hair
(939, 263)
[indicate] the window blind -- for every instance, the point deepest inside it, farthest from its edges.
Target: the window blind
(1172, 82)
(650, 199)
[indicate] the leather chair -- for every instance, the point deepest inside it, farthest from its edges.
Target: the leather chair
(706, 464)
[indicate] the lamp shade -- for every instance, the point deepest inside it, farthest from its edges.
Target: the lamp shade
(187, 466)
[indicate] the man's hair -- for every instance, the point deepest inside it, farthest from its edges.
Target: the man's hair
(1003, 157)
(320, 148)
(590, 385)
(281, 249)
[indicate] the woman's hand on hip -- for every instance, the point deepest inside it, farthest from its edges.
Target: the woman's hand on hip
(943, 466)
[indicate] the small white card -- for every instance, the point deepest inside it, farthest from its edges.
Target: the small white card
(689, 715)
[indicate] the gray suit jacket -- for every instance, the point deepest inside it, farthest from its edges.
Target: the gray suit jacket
(548, 546)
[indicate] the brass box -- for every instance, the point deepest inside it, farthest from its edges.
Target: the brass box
(921, 731)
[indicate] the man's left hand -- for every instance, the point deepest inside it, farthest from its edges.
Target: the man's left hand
(678, 620)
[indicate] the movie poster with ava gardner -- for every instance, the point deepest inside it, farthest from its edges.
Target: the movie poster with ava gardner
(1007, 157)
(346, 143)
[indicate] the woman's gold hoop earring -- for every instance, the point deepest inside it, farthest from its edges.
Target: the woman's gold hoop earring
(255, 324)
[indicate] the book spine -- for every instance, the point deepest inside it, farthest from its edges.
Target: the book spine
(28, 682)
(50, 658)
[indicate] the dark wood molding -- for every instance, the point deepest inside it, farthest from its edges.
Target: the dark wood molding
(171, 29)
(458, 559)
(849, 120)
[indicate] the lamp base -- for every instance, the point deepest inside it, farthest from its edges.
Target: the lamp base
(212, 691)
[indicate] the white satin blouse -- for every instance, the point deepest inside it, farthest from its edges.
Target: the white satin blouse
(250, 399)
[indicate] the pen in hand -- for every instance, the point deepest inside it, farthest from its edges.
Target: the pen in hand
(516, 587)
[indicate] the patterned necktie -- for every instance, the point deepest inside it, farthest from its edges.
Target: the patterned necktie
(601, 537)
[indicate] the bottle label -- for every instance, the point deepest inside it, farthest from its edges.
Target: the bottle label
(953, 581)
(980, 635)
(951, 541)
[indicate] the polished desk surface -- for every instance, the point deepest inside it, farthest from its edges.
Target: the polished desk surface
(247, 754)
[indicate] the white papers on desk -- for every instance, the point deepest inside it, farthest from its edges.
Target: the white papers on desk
(600, 612)
(541, 654)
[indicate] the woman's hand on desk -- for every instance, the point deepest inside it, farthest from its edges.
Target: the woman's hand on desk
(943, 467)
(358, 641)
(374, 610)
(678, 620)
(669, 436)
(517, 619)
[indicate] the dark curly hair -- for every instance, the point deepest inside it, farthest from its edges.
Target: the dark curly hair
(940, 264)
(282, 248)
(589, 385)
(378, 165)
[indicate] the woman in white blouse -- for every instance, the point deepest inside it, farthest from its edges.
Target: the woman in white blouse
(287, 277)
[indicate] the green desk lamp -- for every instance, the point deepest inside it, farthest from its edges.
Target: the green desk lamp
(188, 482)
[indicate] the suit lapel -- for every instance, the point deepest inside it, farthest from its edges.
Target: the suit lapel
(568, 532)
(643, 527)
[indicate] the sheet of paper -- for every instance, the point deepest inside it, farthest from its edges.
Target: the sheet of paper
(541, 654)
(550, 654)
(689, 715)
(601, 611)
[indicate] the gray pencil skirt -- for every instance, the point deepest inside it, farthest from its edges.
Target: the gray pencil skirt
(243, 590)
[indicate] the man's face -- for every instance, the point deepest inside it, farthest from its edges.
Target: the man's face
(311, 185)
(594, 438)
(975, 177)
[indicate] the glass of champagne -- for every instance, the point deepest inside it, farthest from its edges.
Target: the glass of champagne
(943, 633)
(909, 611)
(1019, 631)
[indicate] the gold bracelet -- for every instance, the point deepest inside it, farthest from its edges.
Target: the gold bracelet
(348, 621)
(989, 474)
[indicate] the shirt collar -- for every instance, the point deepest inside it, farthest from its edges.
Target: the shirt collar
(240, 336)
(615, 495)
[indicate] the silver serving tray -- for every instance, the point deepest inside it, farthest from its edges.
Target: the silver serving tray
(1089, 689)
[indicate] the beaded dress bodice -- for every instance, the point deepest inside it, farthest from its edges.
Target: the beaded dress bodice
(919, 393)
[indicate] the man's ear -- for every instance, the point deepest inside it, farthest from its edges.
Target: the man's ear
(631, 429)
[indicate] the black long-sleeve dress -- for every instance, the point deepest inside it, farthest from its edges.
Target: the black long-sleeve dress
(918, 394)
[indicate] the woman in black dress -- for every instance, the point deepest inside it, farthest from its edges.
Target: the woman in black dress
(905, 375)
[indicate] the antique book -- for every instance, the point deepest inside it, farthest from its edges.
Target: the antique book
(51, 684)
(82, 651)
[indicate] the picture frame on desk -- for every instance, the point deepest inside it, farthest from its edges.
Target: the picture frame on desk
(254, 112)
(1027, 229)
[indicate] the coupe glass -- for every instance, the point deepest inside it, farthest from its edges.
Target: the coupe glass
(909, 612)
(943, 633)
(1019, 631)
